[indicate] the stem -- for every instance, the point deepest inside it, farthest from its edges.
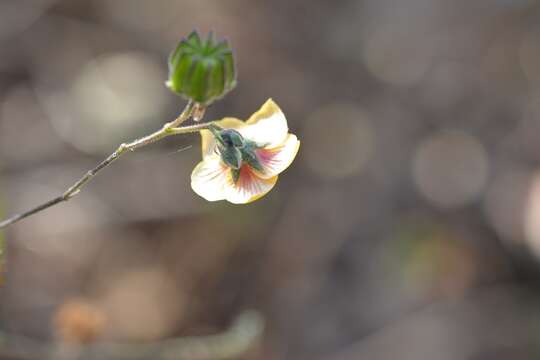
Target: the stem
(171, 128)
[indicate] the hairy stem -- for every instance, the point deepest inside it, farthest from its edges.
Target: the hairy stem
(171, 128)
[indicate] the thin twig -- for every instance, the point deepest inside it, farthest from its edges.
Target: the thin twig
(168, 129)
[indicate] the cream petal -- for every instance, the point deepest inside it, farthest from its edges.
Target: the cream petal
(249, 187)
(268, 126)
(208, 140)
(211, 178)
(275, 160)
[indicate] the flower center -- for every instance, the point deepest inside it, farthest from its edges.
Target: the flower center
(235, 150)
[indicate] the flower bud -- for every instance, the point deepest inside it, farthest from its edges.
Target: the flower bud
(201, 70)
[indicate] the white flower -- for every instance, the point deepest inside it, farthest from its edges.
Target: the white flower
(275, 150)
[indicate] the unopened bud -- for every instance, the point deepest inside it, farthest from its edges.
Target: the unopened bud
(201, 70)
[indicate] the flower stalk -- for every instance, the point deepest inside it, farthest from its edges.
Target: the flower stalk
(172, 128)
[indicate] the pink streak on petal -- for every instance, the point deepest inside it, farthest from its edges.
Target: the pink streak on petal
(249, 186)
(276, 160)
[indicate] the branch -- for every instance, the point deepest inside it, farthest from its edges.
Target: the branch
(171, 128)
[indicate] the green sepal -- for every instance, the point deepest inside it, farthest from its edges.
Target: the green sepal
(183, 71)
(228, 64)
(235, 175)
(250, 157)
(232, 137)
(193, 39)
(216, 80)
(231, 156)
(197, 85)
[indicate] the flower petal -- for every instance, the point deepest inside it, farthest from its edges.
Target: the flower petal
(276, 160)
(210, 178)
(268, 126)
(208, 140)
(249, 187)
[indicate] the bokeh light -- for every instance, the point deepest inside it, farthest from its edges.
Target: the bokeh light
(112, 93)
(532, 215)
(339, 139)
(450, 169)
(147, 296)
(506, 204)
(394, 56)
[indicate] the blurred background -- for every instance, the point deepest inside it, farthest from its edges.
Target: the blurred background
(407, 228)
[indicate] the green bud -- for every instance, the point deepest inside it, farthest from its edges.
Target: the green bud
(201, 70)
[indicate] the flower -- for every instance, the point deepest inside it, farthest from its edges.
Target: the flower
(242, 160)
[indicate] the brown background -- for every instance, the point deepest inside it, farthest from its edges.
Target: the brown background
(407, 228)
